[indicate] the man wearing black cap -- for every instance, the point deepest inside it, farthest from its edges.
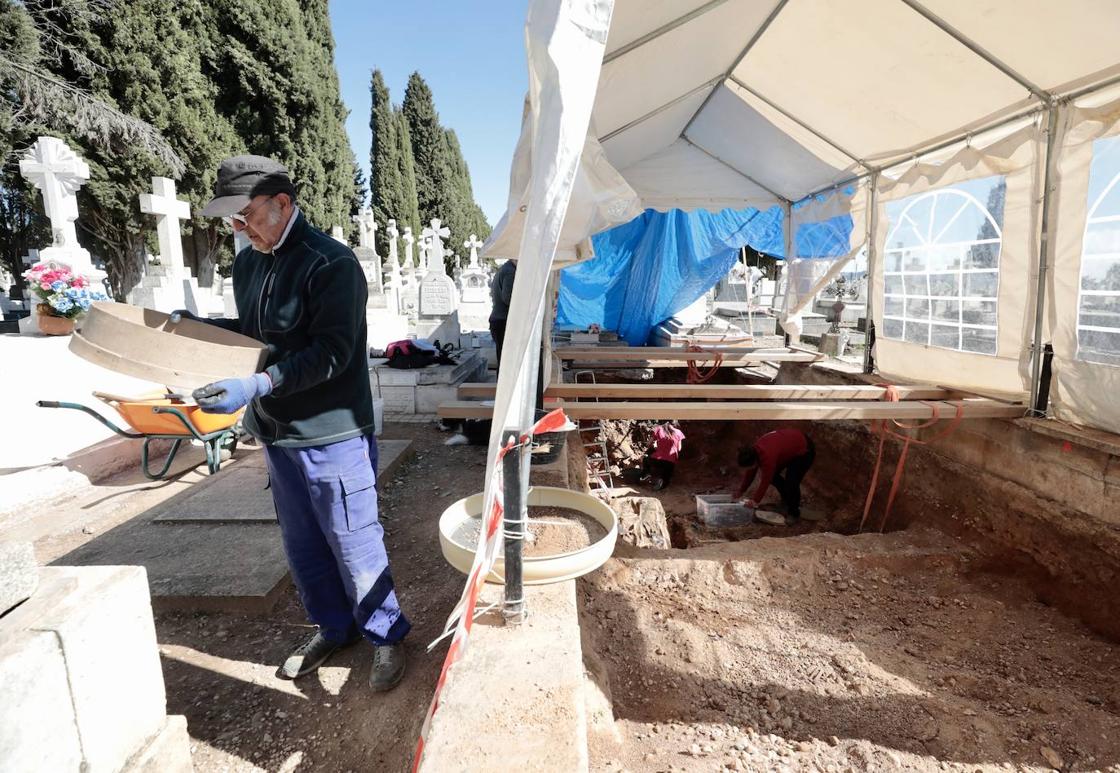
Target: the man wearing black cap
(303, 294)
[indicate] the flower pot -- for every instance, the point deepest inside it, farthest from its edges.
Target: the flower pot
(55, 326)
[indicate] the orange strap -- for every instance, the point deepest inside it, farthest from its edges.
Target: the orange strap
(695, 375)
(885, 428)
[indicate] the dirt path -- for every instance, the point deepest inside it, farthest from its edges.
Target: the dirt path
(219, 668)
(824, 652)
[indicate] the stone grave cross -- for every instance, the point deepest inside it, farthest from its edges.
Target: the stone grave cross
(168, 211)
(434, 237)
(393, 263)
(367, 227)
(408, 239)
(473, 244)
(58, 172)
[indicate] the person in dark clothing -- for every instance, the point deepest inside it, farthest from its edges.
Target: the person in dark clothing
(303, 294)
(781, 457)
(501, 291)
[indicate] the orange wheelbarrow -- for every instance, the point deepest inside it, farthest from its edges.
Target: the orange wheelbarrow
(165, 417)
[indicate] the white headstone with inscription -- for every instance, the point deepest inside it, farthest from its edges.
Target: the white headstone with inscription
(439, 296)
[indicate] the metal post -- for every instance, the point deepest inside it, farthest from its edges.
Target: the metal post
(513, 530)
(872, 259)
(1043, 257)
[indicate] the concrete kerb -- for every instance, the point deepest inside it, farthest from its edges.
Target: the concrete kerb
(526, 682)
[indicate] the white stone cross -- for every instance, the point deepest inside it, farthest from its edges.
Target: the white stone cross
(435, 236)
(366, 228)
(408, 239)
(58, 172)
(422, 252)
(338, 234)
(473, 244)
(168, 211)
(393, 264)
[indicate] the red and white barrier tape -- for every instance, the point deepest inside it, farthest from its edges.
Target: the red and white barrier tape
(486, 552)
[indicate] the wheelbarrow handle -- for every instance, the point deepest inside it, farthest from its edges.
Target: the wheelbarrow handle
(91, 412)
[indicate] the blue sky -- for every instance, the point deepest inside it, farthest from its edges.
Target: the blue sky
(471, 54)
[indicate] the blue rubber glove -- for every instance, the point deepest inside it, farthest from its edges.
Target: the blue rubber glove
(179, 315)
(231, 394)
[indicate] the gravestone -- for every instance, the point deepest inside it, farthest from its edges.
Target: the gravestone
(338, 234)
(168, 285)
(438, 294)
(393, 269)
(367, 228)
(52, 167)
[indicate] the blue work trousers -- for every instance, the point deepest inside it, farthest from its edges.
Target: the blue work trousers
(326, 502)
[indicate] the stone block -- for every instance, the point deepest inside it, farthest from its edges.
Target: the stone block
(398, 399)
(37, 726)
(641, 522)
(19, 573)
(101, 618)
(168, 752)
(430, 396)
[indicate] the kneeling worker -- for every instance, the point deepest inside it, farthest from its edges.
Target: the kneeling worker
(303, 294)
(781, 457)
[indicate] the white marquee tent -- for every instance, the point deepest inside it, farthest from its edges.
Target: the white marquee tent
(962, 145)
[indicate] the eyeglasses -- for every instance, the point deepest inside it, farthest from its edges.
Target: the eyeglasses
(243, 216)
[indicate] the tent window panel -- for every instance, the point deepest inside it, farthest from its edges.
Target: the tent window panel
(945, 285)
(917, 332)
(941, 260)
(892, 328)
(981, 284)
(1101, 346)
(1098, 308)
(946, 336)
(979, 340)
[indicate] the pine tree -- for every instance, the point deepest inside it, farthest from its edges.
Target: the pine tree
(434, 190)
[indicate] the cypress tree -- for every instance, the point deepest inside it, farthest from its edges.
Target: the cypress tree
(466, 217)
(385, 183)
(434, 190)
(141, 61)
(406, 169)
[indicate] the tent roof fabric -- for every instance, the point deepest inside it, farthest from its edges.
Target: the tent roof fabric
(782, 98)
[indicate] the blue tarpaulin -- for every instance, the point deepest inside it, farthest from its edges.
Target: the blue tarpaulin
(645, 271)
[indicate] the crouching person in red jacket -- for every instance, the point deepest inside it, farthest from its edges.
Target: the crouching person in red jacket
(781, 457)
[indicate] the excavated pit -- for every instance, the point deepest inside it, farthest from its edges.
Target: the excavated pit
(951, 641)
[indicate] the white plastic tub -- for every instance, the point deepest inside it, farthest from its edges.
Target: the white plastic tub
(536, 570)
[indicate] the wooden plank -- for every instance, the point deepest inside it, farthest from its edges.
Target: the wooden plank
(719, 392)
(679, 354)
(738, 361)
(757, 411)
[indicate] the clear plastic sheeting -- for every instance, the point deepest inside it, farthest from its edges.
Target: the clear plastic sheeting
(656, 265)
(1083, 316)
(829, 231)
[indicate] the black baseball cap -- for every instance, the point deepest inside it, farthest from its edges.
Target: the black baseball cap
(241, 178)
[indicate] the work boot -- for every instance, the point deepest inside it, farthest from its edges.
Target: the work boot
(388, 667)
(793, 520)
(658, 484)
(310, 655)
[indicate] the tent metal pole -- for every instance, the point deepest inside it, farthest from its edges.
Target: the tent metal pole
(659, 109)
(668, 27)
(1038, 93)
(1045, 247)
(801, 123)
(869, 331)
(746, 177)
(742, 55)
